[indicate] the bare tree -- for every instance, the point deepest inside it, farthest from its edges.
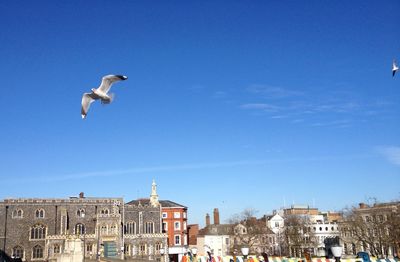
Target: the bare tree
(373, 228)
(251, 232)
(298, 235)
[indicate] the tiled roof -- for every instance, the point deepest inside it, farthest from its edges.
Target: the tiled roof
(164, 203)
(169, 203)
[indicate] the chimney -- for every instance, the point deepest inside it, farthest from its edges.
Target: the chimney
(81, 195)
(216, 216)
(207, 219)
(363, 205)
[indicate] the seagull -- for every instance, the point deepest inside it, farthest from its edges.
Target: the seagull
(394, 68)
(100, 93)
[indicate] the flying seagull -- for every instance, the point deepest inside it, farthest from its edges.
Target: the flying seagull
(100, 93)
(394, 68)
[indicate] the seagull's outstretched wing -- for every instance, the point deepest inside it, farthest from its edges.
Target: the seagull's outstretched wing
(108, 80)
(394, 68)
(87, 99)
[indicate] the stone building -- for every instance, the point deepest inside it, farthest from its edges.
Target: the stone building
(37, 229)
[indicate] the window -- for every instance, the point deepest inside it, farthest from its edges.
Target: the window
(164, 215)
(89, 248)
(113, 229)
(142, 249)
(184, 214)
(127, 249)
(103, 230)
(104, 211)
(80, 229)
(165, 226)
(184, 226)
(177, 215)
(38, 232)
(177, 226)
(149, 228)
(276, 224)
(39, 213)
(18, 252)
(17, 213)
(158, 247)
(177, 239)
(130, 228)
(80, 213)
(37, 252)
(56, 249)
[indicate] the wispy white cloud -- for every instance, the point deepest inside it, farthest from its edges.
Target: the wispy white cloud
(260, 106)
(391, 153)
(176, 168)
(272, 91)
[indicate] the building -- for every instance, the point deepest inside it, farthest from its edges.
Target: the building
(37, 229)
(174, 221)
(372, 228)
(215, 237)
(300, 210)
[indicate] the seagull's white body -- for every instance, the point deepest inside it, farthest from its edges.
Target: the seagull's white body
(394, 68)
(100, 93)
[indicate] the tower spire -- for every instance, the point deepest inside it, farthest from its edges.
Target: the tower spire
(154, 197)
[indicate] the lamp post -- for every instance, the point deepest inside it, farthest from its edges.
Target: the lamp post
(245, 252)
(84, 238)
(337, 252)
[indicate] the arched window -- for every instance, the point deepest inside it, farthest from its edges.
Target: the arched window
(149, 228)
(18, 252)
(80, 212)
(37, 252)
(80, 229)
(113, 229)
(38, 232)
(158, 247)
(103, 230)
(39, 213)
(104, 211)
(17, 213)
(130, 228)
(56, 249)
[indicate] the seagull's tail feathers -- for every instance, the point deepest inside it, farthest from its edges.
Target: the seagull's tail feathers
(108, 101)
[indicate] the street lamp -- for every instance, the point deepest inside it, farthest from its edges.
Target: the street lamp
(245, 252)
(337, 252)
(84, 237)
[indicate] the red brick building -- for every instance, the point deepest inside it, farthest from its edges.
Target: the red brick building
(174, 219)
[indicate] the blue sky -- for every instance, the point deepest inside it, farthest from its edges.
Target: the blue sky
(229, 104)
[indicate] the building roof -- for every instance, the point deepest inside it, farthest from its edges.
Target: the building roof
(220, 229)
(169, 203)
(163, 203)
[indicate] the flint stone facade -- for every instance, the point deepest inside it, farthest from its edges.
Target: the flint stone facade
(36, 229)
